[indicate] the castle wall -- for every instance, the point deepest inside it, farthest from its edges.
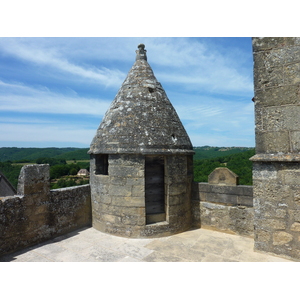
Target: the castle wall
(276, 168)
(37, 213)
(223, 208)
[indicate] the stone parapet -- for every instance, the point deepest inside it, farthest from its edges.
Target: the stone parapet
(223, 208)
(39, 213)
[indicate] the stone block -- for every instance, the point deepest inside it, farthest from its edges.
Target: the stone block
(245, 190)
(292, 177)
(268, 58)
(267, 43)
(241, 220)
(203, 187)
(222, 198)
(128, 201)
(295, 226)
(125, 171)
(291, 72)
(295, 141)
(135, 181)
(245, 201)
(222, 176)
(110, 218)
(178, 199)
(119, 190)
(138, 191)
(272, 142)
(277, 224)
(269, 77)
(34, 179)
(276, 96)
(262, 236)
(177, 189)
(281, 238)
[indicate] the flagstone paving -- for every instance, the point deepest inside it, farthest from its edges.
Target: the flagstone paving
(90, 245)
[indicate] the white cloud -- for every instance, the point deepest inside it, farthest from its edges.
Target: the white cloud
(218, 122)
(47, 56)
(204, 83)
(192, 63)
(21, 98)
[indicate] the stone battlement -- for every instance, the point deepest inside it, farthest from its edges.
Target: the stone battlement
(37, 213)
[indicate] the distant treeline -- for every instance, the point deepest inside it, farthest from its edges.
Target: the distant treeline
(11, 172)
(206, 160)
(207, 152)
(238, 163)
(58, 169)
(24, 155)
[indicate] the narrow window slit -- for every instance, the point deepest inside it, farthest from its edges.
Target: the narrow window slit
(101, 161)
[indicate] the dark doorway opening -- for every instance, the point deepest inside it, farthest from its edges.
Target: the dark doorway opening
(155, 189)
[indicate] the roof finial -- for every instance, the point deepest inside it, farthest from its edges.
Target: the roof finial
(141, 53)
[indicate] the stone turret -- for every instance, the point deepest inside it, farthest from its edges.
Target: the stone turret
(141, 161)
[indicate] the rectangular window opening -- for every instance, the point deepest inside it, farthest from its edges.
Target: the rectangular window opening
(101, 164)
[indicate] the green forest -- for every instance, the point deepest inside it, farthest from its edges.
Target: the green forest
(66, 162)
(238, 163)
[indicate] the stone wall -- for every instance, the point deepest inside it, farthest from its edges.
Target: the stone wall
(223, 208)
(277, 208)
(118, 198)
(276, 169)
(37, 213)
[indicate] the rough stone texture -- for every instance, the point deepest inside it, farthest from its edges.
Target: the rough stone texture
(141, 119)
(223, 208)
(38, 214)
(141, 131)
(277, 94)
(223, 176)
(118, 199)
(276, 172)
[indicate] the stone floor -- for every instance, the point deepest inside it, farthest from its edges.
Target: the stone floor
(90, 245)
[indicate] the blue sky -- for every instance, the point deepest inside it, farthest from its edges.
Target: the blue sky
(55, 91)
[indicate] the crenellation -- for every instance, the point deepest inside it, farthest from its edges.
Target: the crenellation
(40, 213)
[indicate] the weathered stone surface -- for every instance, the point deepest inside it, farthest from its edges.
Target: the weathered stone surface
(232, 219)
(281, 238)
(40, 214)
(141, 161)
(276, 178)
(34, 179)
(223, 176)
(295, 226)
(141, 119)
(230, 195)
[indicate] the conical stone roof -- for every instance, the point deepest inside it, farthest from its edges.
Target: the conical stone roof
(141, 118)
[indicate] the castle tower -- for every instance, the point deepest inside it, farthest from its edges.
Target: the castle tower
(276, 168)
(141, 161)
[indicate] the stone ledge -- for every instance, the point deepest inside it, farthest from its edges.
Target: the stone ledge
(287, 157)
